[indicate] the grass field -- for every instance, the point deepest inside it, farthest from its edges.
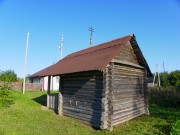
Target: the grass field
(27, 116)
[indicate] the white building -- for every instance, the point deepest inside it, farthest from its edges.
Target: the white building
(44, 81)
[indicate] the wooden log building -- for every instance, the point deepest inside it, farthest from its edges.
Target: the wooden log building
(103, 85)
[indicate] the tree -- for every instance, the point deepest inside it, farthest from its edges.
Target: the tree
(174, 78)
(164, 79)
(8, 77)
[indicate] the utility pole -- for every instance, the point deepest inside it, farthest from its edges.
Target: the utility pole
(25, 60)
(158, 77)
(61, 46)
(157, 72)
(164, 66)
(91, 31)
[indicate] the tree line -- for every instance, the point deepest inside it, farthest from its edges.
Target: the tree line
(170, 79)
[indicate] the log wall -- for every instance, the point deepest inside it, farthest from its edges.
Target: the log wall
(128, 85)
(128, 99)
(82, 96)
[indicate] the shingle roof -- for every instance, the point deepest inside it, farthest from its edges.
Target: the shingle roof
(93, 58)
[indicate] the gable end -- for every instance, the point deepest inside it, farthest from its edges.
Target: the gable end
(127, 55)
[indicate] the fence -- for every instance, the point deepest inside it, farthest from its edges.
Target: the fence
(52, 101)
(29, 86)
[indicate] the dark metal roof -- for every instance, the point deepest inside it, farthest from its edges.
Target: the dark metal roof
(93, 58)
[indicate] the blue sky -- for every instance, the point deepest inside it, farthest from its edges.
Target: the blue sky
(155, 23)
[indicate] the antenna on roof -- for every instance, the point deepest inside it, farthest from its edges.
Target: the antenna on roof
(61, 45)
(91, 30)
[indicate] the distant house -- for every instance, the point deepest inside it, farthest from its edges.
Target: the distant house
(44, 81)
(103, 85)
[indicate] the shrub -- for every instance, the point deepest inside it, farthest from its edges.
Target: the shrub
(7, 78)
(170, 79)
(5, 98)
(165, 97)
(176, 128)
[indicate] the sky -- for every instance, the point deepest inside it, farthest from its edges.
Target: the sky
(155, 23)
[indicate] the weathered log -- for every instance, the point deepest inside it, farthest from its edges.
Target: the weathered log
(118, 121)
(126, 63)
(82, 99)
(127, 68)
(126, 101)
(87, 74)
(83, 110)
(124, 91)
(82, 116)
(83, 86)
(81, 93)
(129, 106)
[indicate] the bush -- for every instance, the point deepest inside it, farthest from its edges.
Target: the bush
(5, 98)
(164, 97)
(7, 78)
(176, 128)
(170, 79)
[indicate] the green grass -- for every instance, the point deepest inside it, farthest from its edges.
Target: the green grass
(27, 117)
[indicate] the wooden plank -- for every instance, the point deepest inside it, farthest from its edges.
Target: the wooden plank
(122, 86)
(52, 101)
(82, 81)
(128, 74)
(126, 63)
(84, 86)
(122, 115)
(118, 121)
(49, 84)
(84, 89)
(82, 115)
(92, 122)
(127, 108)
(128, 78)
(83, 110)
(126, 101)
(126, 67)
(82, 101)
(116, 77)
(83, 74)
(133, 96)
(86, 94)
(91, 109)
(125, 93)
(93, 78)
(120, 90)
